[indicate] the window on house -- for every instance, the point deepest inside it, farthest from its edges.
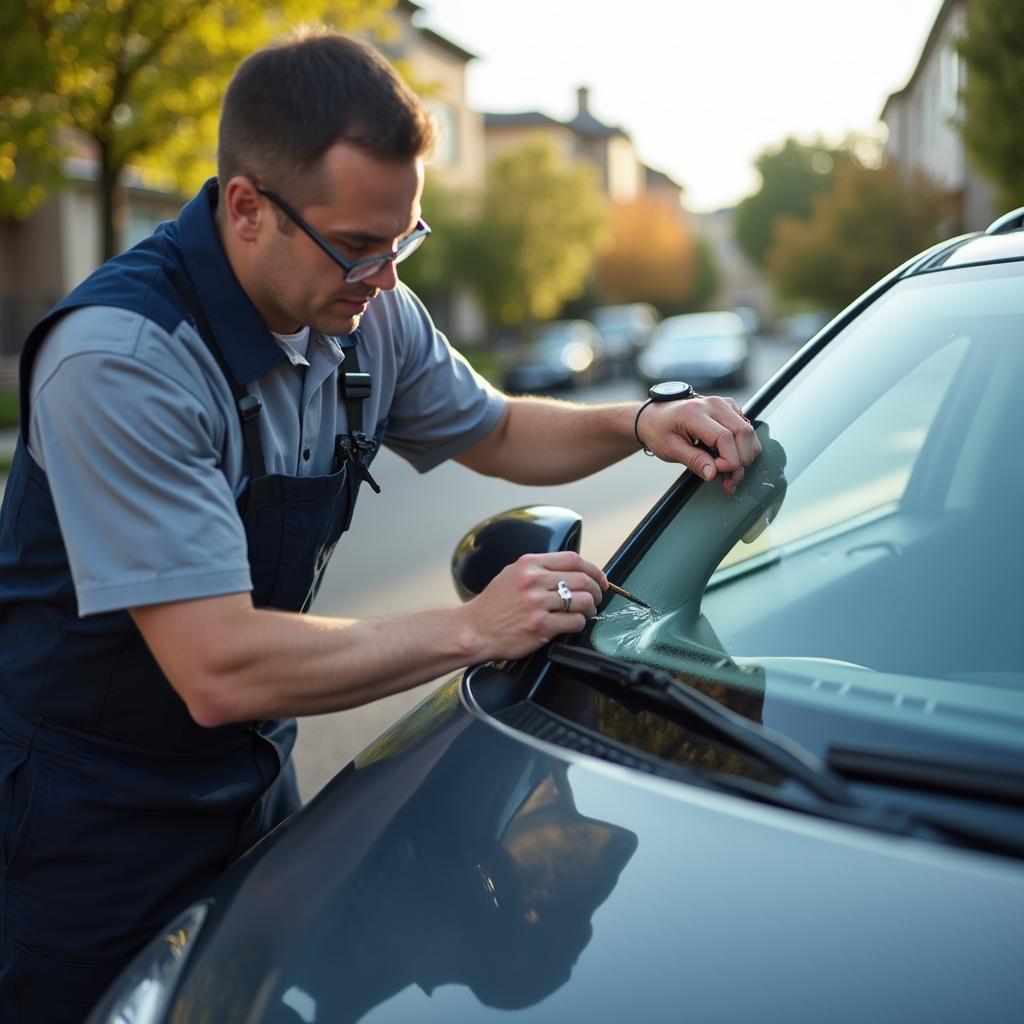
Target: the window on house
(447, 153)
(142, 221)
(927, 110)
(951, 81)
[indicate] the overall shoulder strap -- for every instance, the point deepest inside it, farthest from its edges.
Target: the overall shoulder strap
(248, 405)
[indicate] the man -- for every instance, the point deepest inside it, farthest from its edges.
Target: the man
(198, 418)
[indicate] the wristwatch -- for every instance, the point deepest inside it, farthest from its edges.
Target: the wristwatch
(666, 391)
(671, 391)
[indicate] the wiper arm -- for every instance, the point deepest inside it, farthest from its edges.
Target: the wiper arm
(993, 781)
(997, 780)
(777, 751)
(799, 764)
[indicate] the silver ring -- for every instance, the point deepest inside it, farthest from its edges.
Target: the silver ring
(565, 594)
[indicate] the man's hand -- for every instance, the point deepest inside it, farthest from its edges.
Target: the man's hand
(520, 609)
(690, 432)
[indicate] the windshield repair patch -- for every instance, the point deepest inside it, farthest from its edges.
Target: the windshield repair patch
(634, 620)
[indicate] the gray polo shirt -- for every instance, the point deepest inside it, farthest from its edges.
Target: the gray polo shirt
(137, 432)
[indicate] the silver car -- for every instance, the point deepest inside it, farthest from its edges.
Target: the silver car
(707, 350)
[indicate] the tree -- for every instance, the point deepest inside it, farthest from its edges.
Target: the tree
(869, 223)
(453, 216)
(141, 81)
(791, 176)
(993, 49)
(542, 224)
(652, 256)
(706, 282)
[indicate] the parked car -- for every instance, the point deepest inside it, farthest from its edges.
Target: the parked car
(559, 355)
(791, 790)
(705, 349)
(624, 332)
(751, 319)
(798, 328)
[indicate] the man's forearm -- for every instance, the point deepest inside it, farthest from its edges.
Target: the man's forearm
(547, 442)
(232, 662)
(246, 663)
(543, 441)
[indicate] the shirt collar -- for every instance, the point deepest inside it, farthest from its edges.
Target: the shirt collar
(248, 347)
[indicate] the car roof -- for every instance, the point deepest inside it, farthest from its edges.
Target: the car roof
(1002, 241)
(697, 324)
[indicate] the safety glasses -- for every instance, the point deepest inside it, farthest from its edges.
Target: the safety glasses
(354, 270)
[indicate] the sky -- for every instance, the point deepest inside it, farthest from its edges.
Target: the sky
(701, 88)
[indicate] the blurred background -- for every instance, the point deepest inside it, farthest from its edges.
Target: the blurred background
(621, 194)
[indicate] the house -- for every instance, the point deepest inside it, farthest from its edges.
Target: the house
(437, 69)
(583, 139)
(57, 246)
(659, 186)
(922, 119)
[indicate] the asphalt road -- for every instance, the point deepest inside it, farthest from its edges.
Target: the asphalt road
(396, 557)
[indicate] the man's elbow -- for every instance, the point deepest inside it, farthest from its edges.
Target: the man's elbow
(211, 700)
(210, 669)
(210, 703)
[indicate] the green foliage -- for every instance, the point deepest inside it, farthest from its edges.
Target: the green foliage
(542, 225)
(525, 247)
(993, 50)
(9, 409)
(791, 176)
(868, 224)
(442, 262)
(139, 81)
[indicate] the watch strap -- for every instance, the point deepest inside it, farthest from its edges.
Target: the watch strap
(636, 424)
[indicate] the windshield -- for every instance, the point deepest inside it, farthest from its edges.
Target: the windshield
(865, 581)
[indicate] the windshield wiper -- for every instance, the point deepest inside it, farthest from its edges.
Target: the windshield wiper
(777, 751)
(796, 763)
(989, 779)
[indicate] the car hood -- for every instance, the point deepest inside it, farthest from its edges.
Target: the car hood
(461, 871)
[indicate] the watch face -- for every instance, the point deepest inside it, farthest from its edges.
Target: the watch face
(670, 391)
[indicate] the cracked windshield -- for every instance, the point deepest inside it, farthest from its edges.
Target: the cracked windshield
(868, 566)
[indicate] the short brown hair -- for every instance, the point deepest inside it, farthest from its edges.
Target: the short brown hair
(289, 102)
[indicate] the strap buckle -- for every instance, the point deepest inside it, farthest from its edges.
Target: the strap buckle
(249, 408)
(357, 385)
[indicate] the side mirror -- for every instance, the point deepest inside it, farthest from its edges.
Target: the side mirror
(500, 540)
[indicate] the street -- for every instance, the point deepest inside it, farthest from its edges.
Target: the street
(396, 556)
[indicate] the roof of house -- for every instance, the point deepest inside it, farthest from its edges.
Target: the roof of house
(654, 178)
(524, 119)
(447, 44)
(584, 123)
(411, 9)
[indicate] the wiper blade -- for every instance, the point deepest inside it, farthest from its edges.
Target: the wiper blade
(800, 765)
(990, 779)
(777, 751)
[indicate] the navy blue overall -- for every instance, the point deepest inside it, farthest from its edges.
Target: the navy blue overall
(116, 808)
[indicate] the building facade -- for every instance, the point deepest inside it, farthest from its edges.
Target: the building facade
(437, 69)
(583, 139)
(923, 119)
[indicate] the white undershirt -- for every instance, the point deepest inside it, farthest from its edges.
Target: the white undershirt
(295, 346)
